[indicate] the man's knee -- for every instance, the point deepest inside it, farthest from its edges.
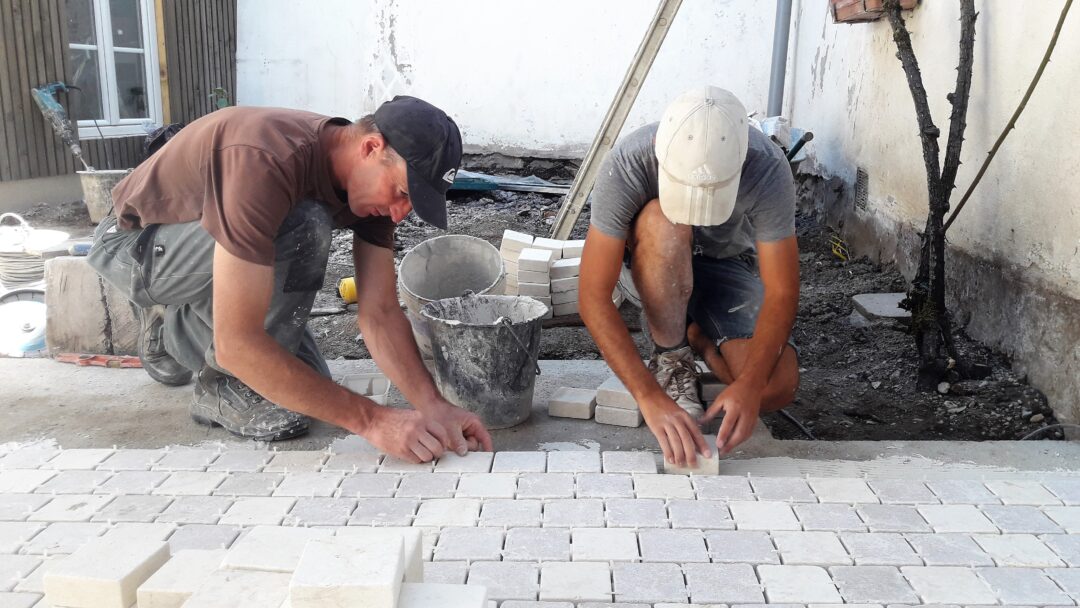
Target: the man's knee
(652, 229)
(782, 385)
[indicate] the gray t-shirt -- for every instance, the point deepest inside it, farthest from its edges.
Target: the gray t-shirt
(764, 210)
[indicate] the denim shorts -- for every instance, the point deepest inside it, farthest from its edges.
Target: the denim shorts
(727, 295)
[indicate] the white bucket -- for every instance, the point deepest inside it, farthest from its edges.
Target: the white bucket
(97, 190)
(446, 267)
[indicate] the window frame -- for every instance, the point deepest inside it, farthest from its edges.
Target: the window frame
(111, 125)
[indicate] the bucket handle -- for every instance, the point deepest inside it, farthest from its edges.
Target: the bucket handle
(510, 328)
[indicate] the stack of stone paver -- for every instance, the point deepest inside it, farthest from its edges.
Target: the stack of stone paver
(615, 405)
(543, 268)
(568, 528)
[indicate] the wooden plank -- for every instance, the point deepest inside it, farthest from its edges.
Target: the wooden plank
(163, 61)
(184, 28)
(55, 49)
(42, 57)
(43, 134)
(176, 83)
(7, 122)
(63, 70)
(202, 88)
(20, 95)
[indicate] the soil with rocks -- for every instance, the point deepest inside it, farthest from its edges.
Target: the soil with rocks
(857, 377)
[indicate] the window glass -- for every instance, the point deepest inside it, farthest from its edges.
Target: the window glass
(80, 22)
(126, 18)
(85, 103)
(131, 85)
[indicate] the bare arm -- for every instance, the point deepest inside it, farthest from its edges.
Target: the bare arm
(388, 335)
(242, 293)
(778, 263)
(678, 434)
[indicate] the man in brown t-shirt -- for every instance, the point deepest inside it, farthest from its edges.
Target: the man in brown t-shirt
(221, 240)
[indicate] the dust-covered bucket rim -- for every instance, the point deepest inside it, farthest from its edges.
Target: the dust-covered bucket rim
(403, 286)
(425, 311)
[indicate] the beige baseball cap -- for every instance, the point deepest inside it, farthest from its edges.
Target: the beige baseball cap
(701, 145)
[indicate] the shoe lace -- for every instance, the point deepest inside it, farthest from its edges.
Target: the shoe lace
(675, 374)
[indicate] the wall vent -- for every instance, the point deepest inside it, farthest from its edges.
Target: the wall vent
(862, 188)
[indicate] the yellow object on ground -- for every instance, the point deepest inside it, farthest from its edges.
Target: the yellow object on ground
(347, 290)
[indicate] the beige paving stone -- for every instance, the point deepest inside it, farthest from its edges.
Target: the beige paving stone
(412, 545)
(190, 483)
(1021, 492)
(636, 513)
(309, 484)
(574, 461)
(659, 485)
(575, 582)
(948, 585)
(103, 573)
(240, 461)
(537, 544)
(956, 518)
(348, 572)
(186, 459)
(763, 515)
(722, 583)
(810, 548)
(23, 481)
(572, 403)
(445, 512)
(664, 545)
(740, 546)
(71, 507)
(271, 548)
(881, 549)
(14, 534)
(384, 512)
(320, 511)
(84, 458)
(700, 514)
(511, 513)
(1023, 550)
(446, 573)
(604, 544)
(612, 393)
(842, 490)
(297, 462)
(472, 462)
(810, 584)
(369, 485)
(241, 589)
(422, 595)
(519, 462)
(487, 485)
(629, 462)
(507, 580)
(15, 568)
(648, 583)
(604, 485)
(203, 537)
(178, 578)
(613, 415)
(427, 485)
(132, 482)
(581, 512)
(258, 511)
(196, 510)
(545, 485)
(74, 482)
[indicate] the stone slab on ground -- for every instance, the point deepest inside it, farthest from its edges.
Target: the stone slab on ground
(875, 306)
(572, 403)
(104, 574)
(617, 416)
(348, 572)
(179, 578)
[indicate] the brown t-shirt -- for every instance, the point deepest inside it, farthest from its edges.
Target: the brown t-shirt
(240, 170)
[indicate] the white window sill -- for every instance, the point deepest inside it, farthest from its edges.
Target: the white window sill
(87, 132)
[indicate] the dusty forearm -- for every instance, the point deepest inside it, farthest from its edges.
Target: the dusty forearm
(388, 336)
(617, 347)
(276, 374)
(774, 323)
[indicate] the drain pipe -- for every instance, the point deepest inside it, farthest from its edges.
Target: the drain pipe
(779, 57)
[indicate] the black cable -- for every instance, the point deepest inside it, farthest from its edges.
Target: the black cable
(1048, 427)
(793, 420)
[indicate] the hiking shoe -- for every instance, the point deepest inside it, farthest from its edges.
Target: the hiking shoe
(676, 373)
(224, 401)
(155, 360)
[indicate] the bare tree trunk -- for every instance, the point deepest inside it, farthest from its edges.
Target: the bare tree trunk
(926, 300)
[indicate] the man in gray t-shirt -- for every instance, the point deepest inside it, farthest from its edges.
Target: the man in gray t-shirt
(693, 218)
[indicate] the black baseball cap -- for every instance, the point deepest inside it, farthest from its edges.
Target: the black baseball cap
(430, 143)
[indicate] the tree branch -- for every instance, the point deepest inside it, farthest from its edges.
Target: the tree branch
(959, 99)
(928, 132)
(1016, 115)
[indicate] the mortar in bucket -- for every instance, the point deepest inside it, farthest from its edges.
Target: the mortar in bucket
(485, 350)
(446, 267)
(97, 191)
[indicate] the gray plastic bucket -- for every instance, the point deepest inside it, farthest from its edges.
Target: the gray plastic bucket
(485, 350)
(446, 267)
(97, 191)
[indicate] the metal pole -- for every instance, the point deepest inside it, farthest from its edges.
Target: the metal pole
(779, 57)
(615, 117)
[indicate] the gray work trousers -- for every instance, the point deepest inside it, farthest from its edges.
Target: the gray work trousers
(172, 265)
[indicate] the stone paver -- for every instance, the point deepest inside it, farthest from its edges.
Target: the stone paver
(1023, 586)
(571, 529)
(948, 585)
(648, 583)
(872, 585)
(810, 584)
(722, 583)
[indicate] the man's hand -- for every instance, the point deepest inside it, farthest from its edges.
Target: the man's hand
(465, 432)
(406, 434)
(678, 434)
(741, 403)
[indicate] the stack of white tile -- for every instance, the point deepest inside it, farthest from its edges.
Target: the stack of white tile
(510, 248)
(534, 274)
(615, 405)
(270, 566)
(564, 285)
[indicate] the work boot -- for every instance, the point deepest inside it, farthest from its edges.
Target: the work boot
(225, 401)
(155, 360)
(676, 373)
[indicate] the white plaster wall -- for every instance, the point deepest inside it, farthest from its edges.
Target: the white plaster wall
(847, 84)
(519, 77)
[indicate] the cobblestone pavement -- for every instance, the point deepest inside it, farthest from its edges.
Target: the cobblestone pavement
(562, 529)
